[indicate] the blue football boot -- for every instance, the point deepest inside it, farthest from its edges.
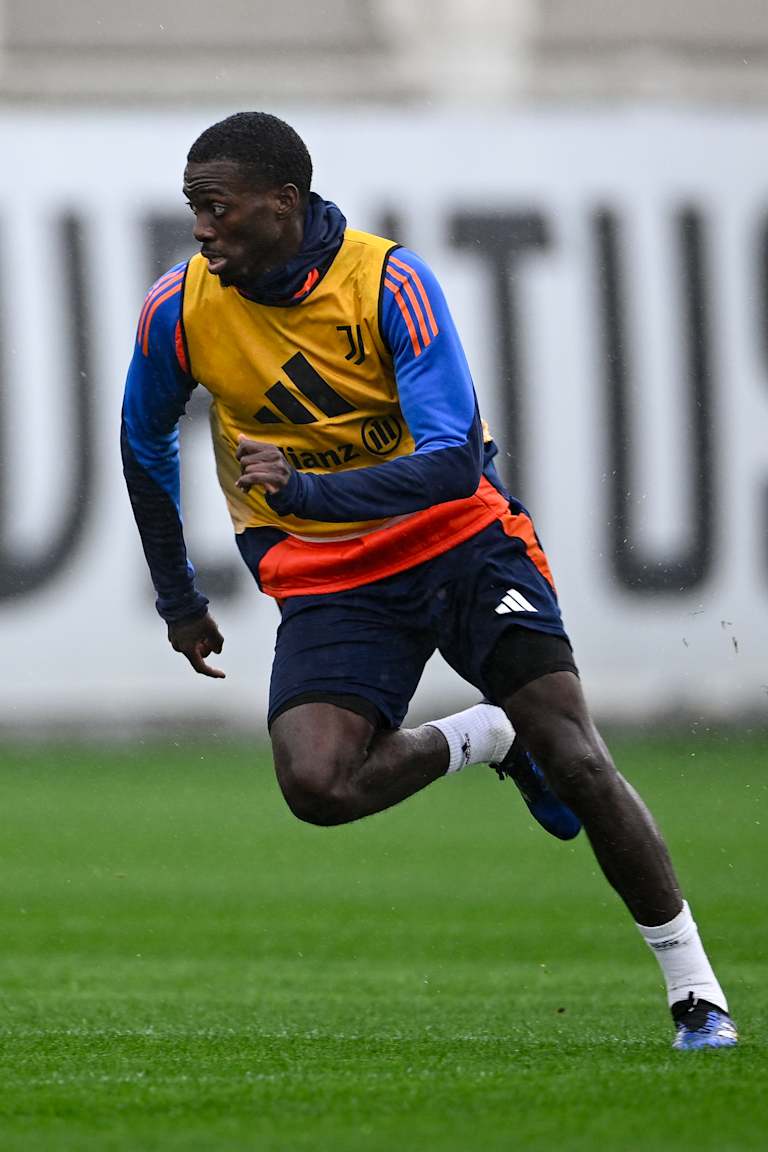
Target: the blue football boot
(542, 803)
(702, 1025)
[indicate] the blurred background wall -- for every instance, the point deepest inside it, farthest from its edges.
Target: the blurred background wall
(385, 51)
(588, 180)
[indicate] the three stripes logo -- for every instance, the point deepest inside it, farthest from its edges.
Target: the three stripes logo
(514, 601)
(380, 434)
(312, 386)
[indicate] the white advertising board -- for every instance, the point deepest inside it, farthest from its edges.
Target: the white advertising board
(609, 276)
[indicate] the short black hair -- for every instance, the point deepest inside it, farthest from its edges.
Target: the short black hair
(272, 150)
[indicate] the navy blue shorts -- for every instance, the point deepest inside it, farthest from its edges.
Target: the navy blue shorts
(372, 642)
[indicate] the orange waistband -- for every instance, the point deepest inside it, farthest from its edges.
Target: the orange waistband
(301, 567)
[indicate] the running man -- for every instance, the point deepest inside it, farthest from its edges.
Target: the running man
(360, 481)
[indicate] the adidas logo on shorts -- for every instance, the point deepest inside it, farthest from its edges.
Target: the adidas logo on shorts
(514, 601)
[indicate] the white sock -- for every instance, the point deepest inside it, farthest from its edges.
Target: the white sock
(683, 961)
(481, 734)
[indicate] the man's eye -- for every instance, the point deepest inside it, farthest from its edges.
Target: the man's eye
(217, 210)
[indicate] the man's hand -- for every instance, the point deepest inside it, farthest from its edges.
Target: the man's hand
(263, 465)
(197, 639)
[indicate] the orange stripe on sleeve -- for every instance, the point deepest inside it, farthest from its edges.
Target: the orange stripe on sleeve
(163, 283)
(158, 286)
(425, 336)
(155, 305)
(409, 323)
(422, 291)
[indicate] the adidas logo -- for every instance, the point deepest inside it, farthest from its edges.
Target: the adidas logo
(308, 381)
(514, 601)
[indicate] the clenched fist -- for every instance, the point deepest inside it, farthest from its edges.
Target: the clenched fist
(263, 465)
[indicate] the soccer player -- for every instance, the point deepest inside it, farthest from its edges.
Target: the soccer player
(361, 484)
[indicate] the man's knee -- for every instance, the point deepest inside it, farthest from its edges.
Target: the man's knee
(576, 763)
(551, 716)
(580, 777)
(318, 748)
(315, 788)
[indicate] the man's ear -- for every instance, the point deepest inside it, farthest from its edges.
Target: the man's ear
(287, 200)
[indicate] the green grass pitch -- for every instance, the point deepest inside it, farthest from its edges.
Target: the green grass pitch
(184, 966)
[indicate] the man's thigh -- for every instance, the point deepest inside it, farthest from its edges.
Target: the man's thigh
(364, 649)
(502, 627)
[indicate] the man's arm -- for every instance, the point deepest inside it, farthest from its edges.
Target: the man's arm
(156, 393)
(438, 401)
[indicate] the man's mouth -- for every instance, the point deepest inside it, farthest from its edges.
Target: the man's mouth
(216, 262)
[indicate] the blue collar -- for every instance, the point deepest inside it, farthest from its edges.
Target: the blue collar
(324, 226)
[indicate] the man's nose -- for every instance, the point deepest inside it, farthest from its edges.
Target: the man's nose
(203, 228)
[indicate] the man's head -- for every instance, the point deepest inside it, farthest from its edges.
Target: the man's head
(247, 181)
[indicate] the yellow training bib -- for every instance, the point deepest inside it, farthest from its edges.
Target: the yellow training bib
(315, 379)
